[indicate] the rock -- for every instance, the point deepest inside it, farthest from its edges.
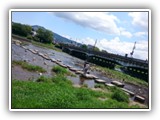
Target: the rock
(139, 98)
(36, 50)
(127, 91)
(79, 72)
(109, 84)
(40, 54)
(40, 74)
(59, 60)
(89, 76)
(117, 83)
(62, 65)
(46, 57)
(73, 69)
(53, 60)
(100, 81)
(95, 77)
(45, 63)
(25, 60)
(69, 66)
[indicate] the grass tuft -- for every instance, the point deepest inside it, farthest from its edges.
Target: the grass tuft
(120, 96)
(28, 67)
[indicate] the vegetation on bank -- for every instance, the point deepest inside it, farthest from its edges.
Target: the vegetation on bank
(58, 92)
(50, 46)
(28, 67)
(112, 74)
(40, 35)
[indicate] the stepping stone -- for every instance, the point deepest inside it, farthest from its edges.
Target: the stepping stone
(30, 49)
(34, 52)
(69, 66)
(62, 65)
(95, 77)
(139, 98)
(109, 84)
(100, 81)
(59, 60)
(72, 69)
(79, 72)
(128, 91)
(88, 76)
(53, 60)
(46, 57)
(40, 54)
(117, 83)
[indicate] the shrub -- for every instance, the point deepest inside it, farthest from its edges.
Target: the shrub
(120, 96)
(29, 37)
(99, 86)
(44, 79)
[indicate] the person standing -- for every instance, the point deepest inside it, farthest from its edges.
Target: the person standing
(86, 67)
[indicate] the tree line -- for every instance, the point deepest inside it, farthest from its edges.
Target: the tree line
(42, 35)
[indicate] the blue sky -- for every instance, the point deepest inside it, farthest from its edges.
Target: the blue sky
(115, 32)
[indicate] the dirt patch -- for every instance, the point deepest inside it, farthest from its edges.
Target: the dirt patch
(21, 74)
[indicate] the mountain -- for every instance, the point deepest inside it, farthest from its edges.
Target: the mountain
(57, 37)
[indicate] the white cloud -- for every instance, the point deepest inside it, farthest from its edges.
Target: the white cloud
(100, 21)
(140, 34)
(116, 46)
(140, 19)
(66, 36)
(125, 33)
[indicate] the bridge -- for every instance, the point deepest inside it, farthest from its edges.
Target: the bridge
(132, 66)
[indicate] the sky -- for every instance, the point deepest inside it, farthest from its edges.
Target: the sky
(115, 32)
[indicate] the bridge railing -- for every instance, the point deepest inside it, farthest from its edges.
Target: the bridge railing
(115, 57)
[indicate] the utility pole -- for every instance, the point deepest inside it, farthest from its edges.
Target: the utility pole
(133, 49)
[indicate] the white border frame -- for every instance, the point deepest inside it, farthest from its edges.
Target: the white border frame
(81, 10)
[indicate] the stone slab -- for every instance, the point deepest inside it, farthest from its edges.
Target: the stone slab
(88, 76)
(128, 91)
(79, 72)
(117, 83)
(139, 99)
(109, 84)
(73, 69)
(53, 60)
(100, 81)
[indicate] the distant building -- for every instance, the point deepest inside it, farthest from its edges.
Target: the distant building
(34, 33)
(90, 46)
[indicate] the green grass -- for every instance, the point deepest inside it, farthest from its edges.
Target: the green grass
(112, 74)
(28, 67)
(119, 95)
(60, 70)
(44, 45)
(58, 92)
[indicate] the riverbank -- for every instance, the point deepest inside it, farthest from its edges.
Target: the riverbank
(20, 53)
